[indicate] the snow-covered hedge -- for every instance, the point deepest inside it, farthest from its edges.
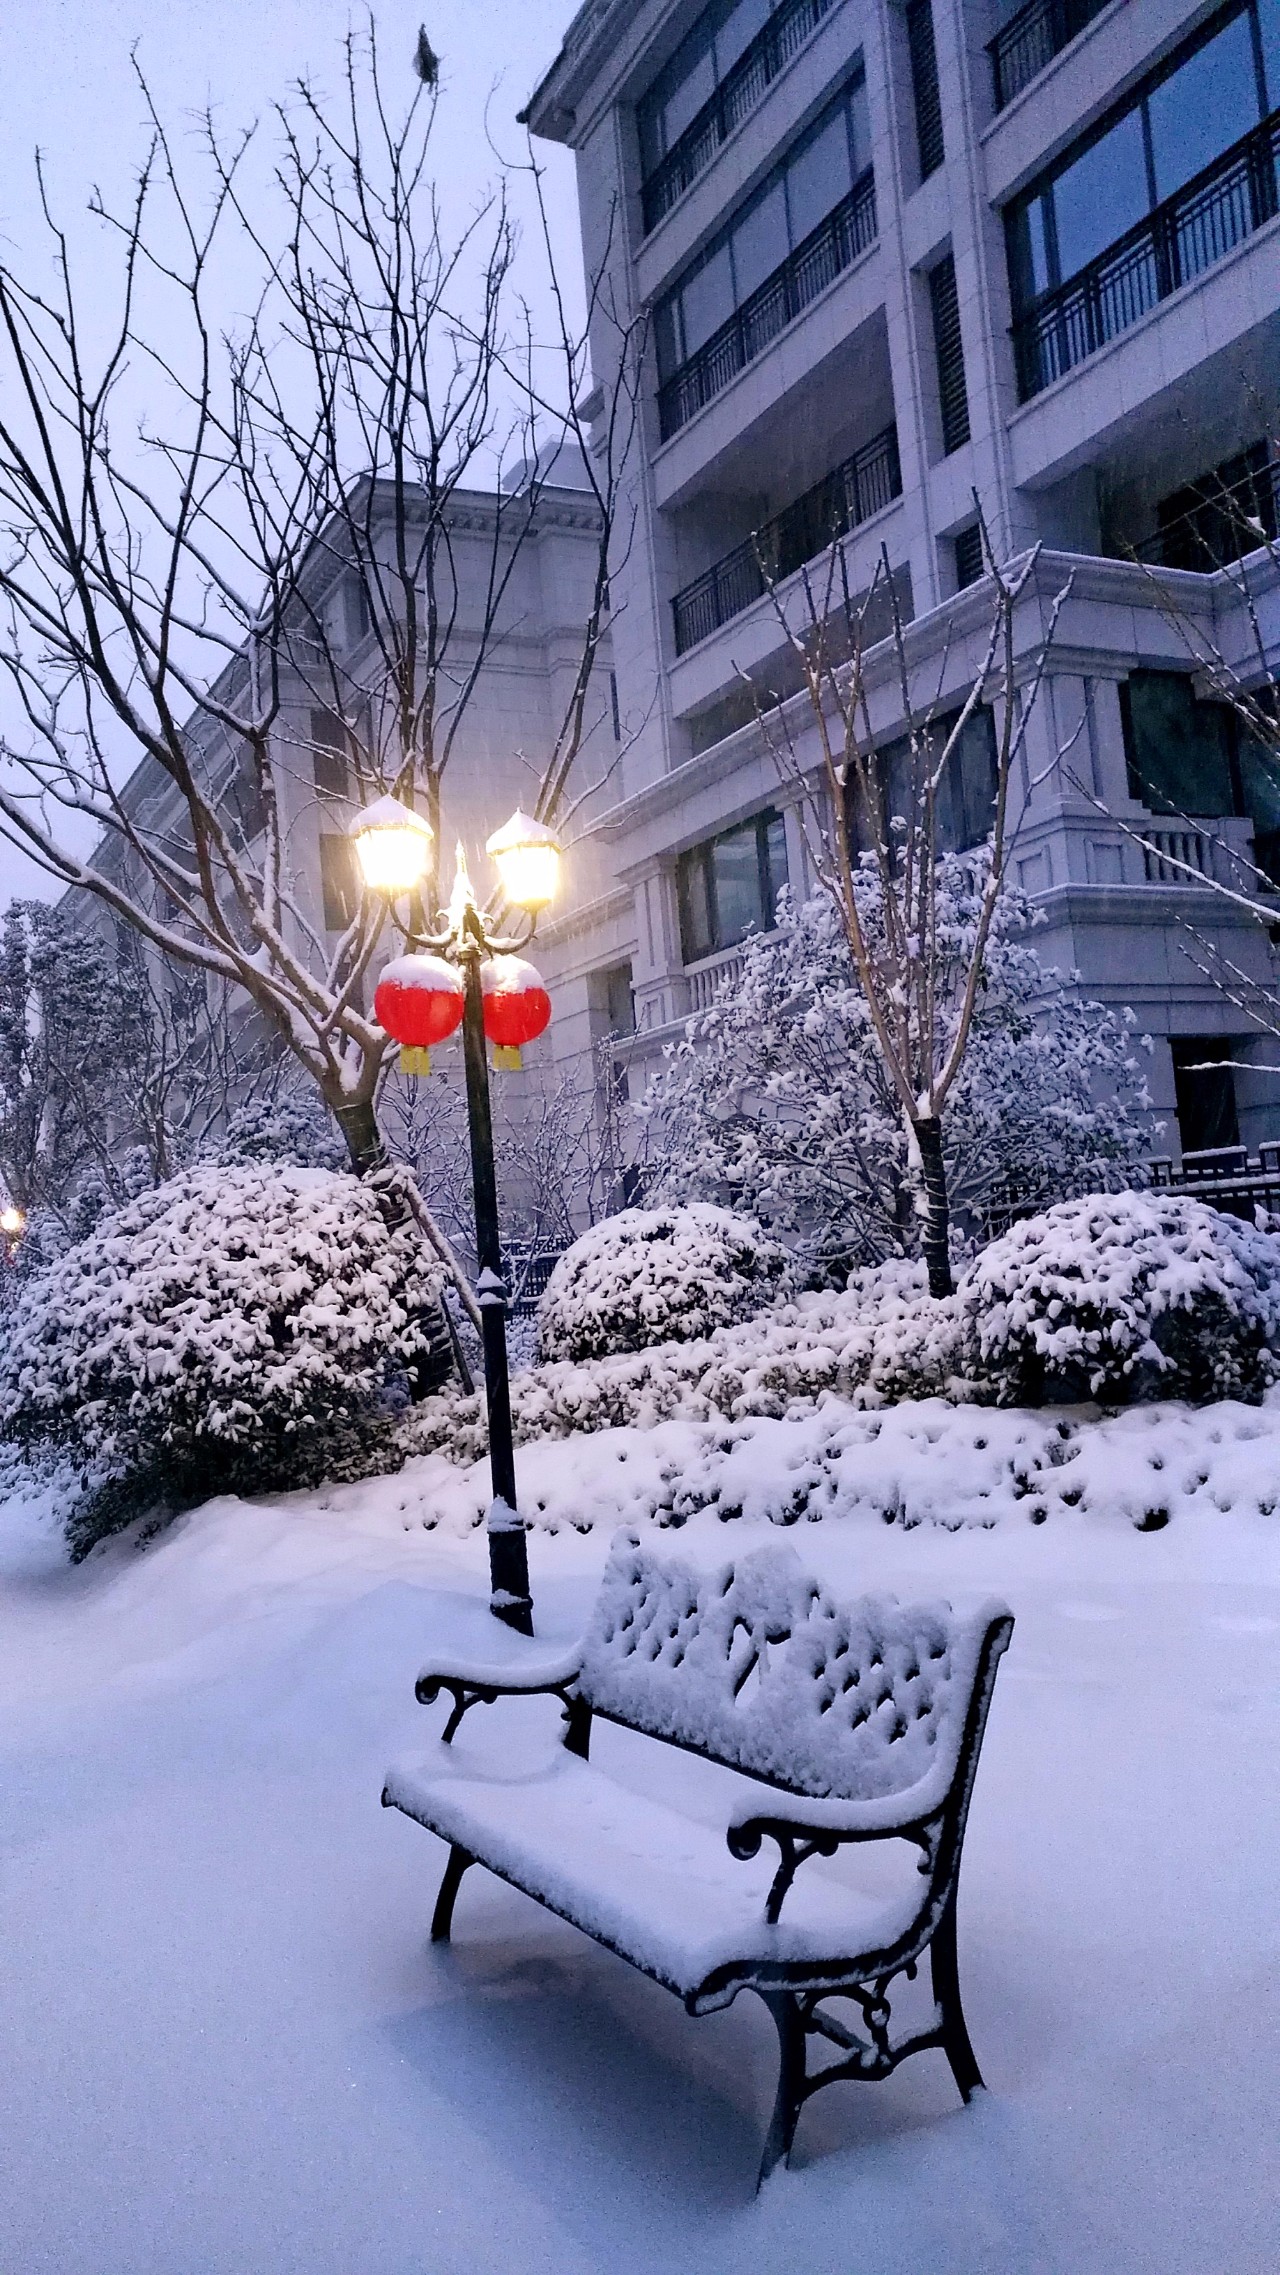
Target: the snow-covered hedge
(651, 1276)
(236, 1329)
(1124, 1296)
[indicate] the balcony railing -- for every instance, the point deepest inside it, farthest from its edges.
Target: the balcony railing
(836, 242)
(1233, 519)
(1178, 241)
(1032, 38)
(734, 99)
(858, 488)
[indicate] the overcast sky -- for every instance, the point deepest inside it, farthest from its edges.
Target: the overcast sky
(67, 87)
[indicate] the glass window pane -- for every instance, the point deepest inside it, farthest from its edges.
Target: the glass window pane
(819, 175)
(1177, 749)
(859, 127)
(976, 770)
(1269, 25)
(706, 300)
(744, 20)
(1204, 107)
(735, 860)
(775, 846)
(759, 241)
(666, 336)
(1101, 195)
(695, 86)
(695, 905)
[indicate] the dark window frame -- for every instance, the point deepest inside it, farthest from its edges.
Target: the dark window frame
(1024, 292)
(668, 319)
(699, 860)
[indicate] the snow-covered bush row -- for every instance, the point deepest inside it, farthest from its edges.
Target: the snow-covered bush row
(924, 1462)
(233, 1330)
(651, 1276)
(1124, 1296)
(882, 1338)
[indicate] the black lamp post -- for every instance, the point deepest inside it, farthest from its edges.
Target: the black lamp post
(393, 845)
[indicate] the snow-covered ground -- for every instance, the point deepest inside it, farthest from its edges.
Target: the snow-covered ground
(229, 2049)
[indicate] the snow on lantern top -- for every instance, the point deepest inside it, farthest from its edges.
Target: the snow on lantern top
(393, 845)
(517, 1006)
(419, 999)
(526, 855)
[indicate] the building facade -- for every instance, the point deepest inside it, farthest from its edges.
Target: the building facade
(901, 263)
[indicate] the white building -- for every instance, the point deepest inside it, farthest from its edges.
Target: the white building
(893, 255)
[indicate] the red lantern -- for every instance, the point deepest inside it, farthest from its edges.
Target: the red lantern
(419, 1000)
(516, 1006)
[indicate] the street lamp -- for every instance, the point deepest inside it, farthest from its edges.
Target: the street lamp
(393, 846)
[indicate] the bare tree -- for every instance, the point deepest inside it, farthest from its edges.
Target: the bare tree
(876, 834)
(179, 500)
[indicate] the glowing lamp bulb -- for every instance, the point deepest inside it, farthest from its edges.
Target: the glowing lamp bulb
(393, 846)
(526, 855)
(12, 1222)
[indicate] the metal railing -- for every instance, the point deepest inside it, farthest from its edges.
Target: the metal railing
(1231, 520)
(1032, 38)
(1182, 238)
(734, 99)
(843, 499)
(836, 242)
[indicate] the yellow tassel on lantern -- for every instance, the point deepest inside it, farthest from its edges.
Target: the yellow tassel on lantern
(414, 1059)
(506, 1058)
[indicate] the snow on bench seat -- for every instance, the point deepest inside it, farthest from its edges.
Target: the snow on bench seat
(648, 1881)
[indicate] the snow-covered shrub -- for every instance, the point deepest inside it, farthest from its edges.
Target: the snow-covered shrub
(881, 1339)
(776, 1100)
(656, 1276)
(1123, 1296)
(236, 1329)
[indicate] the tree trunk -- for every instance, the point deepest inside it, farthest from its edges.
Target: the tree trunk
(371, 1161)
(936, 1240)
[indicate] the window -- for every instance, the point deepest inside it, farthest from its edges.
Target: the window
(619, 1001)
(965, 810)
(1178, 751)
(1195, 107)
(1222, 515)
(729, 886)
(330, 754)
(969, 561)
(704, 60)
(1205, 1090)
(924, 86)
(953, 395)
(816, 174)
(339, 889)
(242, 798)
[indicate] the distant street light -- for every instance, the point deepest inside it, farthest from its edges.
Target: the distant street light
(505, 998)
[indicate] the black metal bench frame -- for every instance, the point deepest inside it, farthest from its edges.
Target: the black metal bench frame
(794, 1992)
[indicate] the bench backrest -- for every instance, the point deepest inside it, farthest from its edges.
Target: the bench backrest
(759, 1667)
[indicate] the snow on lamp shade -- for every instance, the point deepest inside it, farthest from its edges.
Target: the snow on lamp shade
(393, 846)
(419, 1000)
(516, 1006)
(526, 855)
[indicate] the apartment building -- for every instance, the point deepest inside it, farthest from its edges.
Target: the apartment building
(896, 253)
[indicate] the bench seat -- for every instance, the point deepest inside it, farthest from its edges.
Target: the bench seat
(651, 1883)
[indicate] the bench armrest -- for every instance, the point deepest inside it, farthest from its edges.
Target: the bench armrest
(477, 1682)
(803, 1828)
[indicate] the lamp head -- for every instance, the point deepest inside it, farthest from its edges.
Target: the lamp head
(526, 855)
(13, 1222)
(393, 846)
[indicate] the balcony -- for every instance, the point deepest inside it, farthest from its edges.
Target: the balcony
(858, 488)
(1032, 38)
(833, 246)
(734, 99)
(1177, 242)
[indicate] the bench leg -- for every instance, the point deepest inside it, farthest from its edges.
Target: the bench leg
(442, 1917)
(946, 1991)
(784, 2006)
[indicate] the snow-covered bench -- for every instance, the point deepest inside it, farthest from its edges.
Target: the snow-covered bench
(847, 1722)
